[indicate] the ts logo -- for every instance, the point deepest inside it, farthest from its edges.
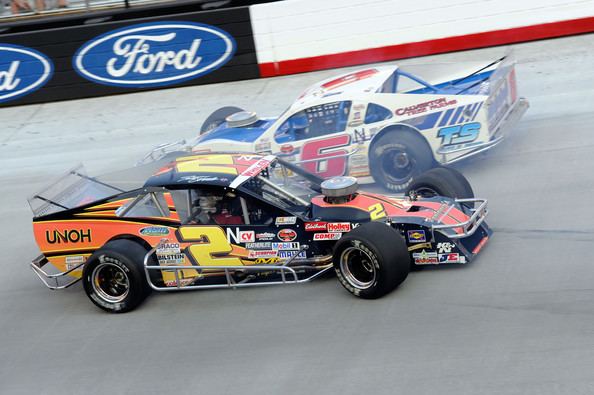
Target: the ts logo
(460, 134)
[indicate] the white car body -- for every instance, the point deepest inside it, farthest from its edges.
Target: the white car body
(458, 111)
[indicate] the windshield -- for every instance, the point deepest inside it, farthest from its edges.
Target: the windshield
(286, 186)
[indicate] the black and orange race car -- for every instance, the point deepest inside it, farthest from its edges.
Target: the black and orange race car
(236, 220)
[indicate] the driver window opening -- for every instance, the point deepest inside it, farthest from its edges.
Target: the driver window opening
(314, 122)
(151, 204)
(219, 207)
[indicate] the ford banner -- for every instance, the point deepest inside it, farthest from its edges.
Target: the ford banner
(154, 54)
(22, 71)
(87, 60)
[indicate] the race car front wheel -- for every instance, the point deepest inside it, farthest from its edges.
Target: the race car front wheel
(442, 181)
(371, 260)
(217, 118)
(114, 278)
(397, 157)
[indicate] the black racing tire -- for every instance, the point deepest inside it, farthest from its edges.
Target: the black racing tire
(371, 260)
(442, 181)
(217, 118)
(397, 157)
(114, 278)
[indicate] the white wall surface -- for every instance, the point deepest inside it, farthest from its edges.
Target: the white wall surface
(294, 29)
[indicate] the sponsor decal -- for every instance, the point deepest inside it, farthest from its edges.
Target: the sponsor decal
(168, 248)
(252, 171)
(315, 226)
(454, 137)
(262, 254)
(265, 236)
(445, 247)
(416, 236)
(263, 146)
(259, 246)
(240, 236)
(154, 54)
(195, 179)
(68, 236)
(247, 236)
(327, 236)
(419, 246)
(22, 71)
(73, 261)
(266, 261)
(170, 259)
(425, 258)
(452, 258)
(285, 221)
(170, 254)
(424, 107)
(348, 79)
(286, 235)
(182, 282)
(291, 253)
(359, 137)
(154, 231)
(285, 246)
(340, 227)
(286, 149)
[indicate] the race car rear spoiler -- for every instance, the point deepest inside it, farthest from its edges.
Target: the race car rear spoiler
(72, 189)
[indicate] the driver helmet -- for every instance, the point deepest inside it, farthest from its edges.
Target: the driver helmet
(299, 122)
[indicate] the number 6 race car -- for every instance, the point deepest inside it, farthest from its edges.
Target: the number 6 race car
(236, 220)
(381, 124)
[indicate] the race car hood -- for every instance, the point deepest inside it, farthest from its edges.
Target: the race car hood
(371, 207)
(247, 134)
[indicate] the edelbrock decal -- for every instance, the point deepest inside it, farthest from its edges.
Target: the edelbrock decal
(22, 71)
(154, 54)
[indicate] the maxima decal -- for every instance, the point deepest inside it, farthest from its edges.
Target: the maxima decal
(22, 71)
(154, 54)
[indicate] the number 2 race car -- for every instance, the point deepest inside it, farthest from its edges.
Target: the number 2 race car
(381, 124)
(236, 220)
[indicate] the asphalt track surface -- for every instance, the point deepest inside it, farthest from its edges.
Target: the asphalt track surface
(519, 320)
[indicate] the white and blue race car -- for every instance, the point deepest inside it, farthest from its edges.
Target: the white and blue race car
(380, 124)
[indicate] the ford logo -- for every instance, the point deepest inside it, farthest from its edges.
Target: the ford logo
(22, 71)
(154, 54)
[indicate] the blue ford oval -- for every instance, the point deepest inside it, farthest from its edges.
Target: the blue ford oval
(154, 54)
(22, 71)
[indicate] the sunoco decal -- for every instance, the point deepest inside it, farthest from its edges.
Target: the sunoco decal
(154, 54)
(22, 71)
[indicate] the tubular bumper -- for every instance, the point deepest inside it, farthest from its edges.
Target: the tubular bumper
(37, 265)
(462, 229)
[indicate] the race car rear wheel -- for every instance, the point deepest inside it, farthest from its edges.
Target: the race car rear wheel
(397, 157)
(114, 278)
(371, 260)
(217, 118)
(442, 181)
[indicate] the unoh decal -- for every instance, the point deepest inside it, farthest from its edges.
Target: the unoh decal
(22, 71)
(154, 54)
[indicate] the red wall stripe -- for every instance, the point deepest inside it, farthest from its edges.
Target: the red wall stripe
(429, 47)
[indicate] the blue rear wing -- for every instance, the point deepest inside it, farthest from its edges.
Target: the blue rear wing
(475, 83)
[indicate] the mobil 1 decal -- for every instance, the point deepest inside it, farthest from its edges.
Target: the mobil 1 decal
(154, 54)
(22, 71)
